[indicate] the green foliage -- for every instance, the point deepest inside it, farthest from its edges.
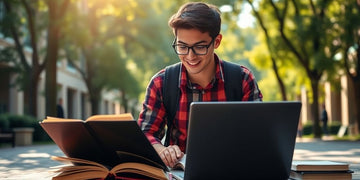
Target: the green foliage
(4, 122)
(25, 24)
(308, 34)
(114, 37)
(9, 121)
(307, 128)
(333, 128)
(126, 42)
(116, 66)
(15, 18)
(20, 121)
(8, 54)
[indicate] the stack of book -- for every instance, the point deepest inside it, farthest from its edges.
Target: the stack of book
(320, 170)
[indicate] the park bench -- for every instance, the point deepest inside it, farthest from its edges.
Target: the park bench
(7, 136)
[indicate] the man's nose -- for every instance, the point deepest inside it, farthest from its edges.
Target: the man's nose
(192, 52)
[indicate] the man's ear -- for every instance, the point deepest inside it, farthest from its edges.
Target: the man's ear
(217, 41)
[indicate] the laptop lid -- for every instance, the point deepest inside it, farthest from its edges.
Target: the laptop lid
(241, 140)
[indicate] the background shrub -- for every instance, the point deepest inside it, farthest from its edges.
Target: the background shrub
(8, 121)
(20, 120)
(4, 122)
(307, 128)
(333, 128)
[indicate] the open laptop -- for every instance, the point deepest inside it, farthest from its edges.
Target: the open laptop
(241, 140)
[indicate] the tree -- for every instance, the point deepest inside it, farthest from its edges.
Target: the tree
(30, 36)
(303, 29)
(118, 75)
(30, 72)
(56, 12)
(272, 51)
(103, 23)
(347, 28)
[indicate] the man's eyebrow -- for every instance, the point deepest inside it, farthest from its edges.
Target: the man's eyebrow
(193, 44)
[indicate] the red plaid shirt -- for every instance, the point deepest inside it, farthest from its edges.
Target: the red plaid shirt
(152, 118)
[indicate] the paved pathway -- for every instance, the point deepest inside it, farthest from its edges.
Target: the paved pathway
(33, 162)
(28, 162)
(343, 151)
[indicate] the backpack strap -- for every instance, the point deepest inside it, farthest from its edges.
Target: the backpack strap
(233, 81)
(171, 95)
(171, 91)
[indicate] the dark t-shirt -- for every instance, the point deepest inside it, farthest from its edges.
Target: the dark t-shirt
(59, 111)
(324, 115)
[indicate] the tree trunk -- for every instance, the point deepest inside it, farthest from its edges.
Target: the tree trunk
(271, 51)
(51, 60)
(95, 101)
(94, 106)
(278, 78)
(356, 81)
(315, 108)
(27, 96)
(124, 101)
(357, 103)
(31, 74)
(33, 92)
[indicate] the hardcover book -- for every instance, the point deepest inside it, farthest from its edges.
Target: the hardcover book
(328, 175)
(319, 166)
(301, 170)
(111, 142)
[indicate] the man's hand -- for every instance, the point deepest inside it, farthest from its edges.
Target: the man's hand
(170, 155)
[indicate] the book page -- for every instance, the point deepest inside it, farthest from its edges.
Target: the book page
(105, 117)
(67, 160)
(81, 174)
(111, 117)
(83, 169)
(55, 119)
(138, 168)
(314, 165)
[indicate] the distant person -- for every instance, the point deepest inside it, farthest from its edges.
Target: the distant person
(324, 119)
(300, 130)
(60, 109)
(200, 76)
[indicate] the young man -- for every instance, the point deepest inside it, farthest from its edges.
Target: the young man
(196, 27)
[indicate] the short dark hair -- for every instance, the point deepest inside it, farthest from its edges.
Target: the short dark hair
(197, 15)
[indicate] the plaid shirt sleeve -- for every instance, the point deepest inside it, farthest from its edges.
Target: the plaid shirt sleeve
(152, 117)
(251, 91)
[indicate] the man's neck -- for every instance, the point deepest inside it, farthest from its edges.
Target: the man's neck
(205, 77)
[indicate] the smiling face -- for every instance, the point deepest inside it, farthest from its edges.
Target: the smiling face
(198, 66)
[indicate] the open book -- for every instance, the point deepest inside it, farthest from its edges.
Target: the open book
(104, 141)
(91, 170)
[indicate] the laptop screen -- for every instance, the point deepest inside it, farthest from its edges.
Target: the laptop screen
(246, 140)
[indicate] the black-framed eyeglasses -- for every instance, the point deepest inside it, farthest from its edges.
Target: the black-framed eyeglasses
(182, 49)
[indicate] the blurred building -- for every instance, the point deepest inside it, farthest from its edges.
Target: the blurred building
(339, 103)
(71, 88)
